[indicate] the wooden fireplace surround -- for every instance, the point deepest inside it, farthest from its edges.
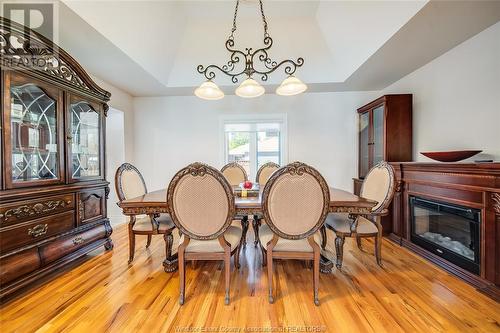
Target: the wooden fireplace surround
(474, 185)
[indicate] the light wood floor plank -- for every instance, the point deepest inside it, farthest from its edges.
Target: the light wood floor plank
(102, 293)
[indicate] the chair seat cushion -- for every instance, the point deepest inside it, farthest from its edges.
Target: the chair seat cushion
(232, 236)
(286, 245)
(342, 223)
(144, 224)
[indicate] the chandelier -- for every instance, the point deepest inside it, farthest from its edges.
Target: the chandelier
(250, 87)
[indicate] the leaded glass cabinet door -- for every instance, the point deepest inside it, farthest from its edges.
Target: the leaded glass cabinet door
(85, 140)
(33, 135)
(378, 115)
(364, 144)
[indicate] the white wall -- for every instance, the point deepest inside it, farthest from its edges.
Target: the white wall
(122, 101)
(171, 132)
(456, 98)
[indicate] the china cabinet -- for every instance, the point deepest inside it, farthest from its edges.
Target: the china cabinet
(385, 134)
(52, 188)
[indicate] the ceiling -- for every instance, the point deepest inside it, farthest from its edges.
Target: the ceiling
(152, 48)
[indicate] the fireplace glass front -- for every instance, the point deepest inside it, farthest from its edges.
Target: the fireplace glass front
(448, 230)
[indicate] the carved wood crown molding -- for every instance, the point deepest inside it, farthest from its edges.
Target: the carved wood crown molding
(23, 49)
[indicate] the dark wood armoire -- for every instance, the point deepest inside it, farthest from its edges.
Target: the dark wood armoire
(53, 187)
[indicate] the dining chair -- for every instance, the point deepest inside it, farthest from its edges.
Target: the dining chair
(201, 204)
(235, 175)
(378, 185)
(263, 174)
(295, 205)
(129, 184)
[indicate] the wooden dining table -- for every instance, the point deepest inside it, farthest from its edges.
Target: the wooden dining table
(156, 203)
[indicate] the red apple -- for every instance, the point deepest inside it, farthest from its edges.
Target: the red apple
(247, 185)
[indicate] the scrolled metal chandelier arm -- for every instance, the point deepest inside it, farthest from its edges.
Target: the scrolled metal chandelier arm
(247, 59)
(271, 65)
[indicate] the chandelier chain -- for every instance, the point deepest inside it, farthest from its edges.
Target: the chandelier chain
(263, 18)
(264, 21)
(234, 18)
(243, 62)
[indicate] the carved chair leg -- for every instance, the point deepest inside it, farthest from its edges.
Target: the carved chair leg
(339, 249)
(316, 251)
(131, 239)
(323, 237)
(182, 270)
(378, 241)
(264, 256)
(227, 266)
(358, 242)
(378, 248)
(244, 225)
(227, 276)
(270, 246)
(237, 257)
(149, 241)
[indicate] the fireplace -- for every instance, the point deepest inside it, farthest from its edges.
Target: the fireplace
(447, 230)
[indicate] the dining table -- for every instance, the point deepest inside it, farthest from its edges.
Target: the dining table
(155, 202)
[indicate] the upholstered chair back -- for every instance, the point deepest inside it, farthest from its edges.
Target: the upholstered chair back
(265, 171)
(295, 201)
(234, 173)
(379, 185)
(200, 201)
(129, 182)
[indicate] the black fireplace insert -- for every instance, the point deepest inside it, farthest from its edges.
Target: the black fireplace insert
(447, 230)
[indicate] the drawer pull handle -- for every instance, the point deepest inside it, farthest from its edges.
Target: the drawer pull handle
(78, 240)
(38, 230)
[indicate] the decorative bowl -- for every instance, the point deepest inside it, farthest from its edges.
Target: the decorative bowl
(450, 156)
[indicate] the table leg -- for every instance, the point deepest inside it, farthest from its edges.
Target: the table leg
(170, 264)
(326, 265)
(256, 225)
(323, 237)
(244, 225)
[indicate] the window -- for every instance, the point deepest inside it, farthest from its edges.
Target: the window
(254, 142)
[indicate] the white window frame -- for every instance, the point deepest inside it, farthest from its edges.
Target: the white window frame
(280, 118)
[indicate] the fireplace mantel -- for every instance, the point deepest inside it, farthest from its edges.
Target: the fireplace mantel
(474, 185)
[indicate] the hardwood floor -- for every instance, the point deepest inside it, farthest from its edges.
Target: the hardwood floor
(105, 294)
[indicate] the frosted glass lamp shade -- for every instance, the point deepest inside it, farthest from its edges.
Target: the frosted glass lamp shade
(291, 86)
(209, 90)
(249, 89)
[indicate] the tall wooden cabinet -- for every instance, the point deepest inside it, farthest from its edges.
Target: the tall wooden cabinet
(385, 134)
(52, 188)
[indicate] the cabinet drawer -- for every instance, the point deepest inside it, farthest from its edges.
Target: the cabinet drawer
(18, 264)
(31, 232)
(66, 245)
(20, 211)
(91, 206)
